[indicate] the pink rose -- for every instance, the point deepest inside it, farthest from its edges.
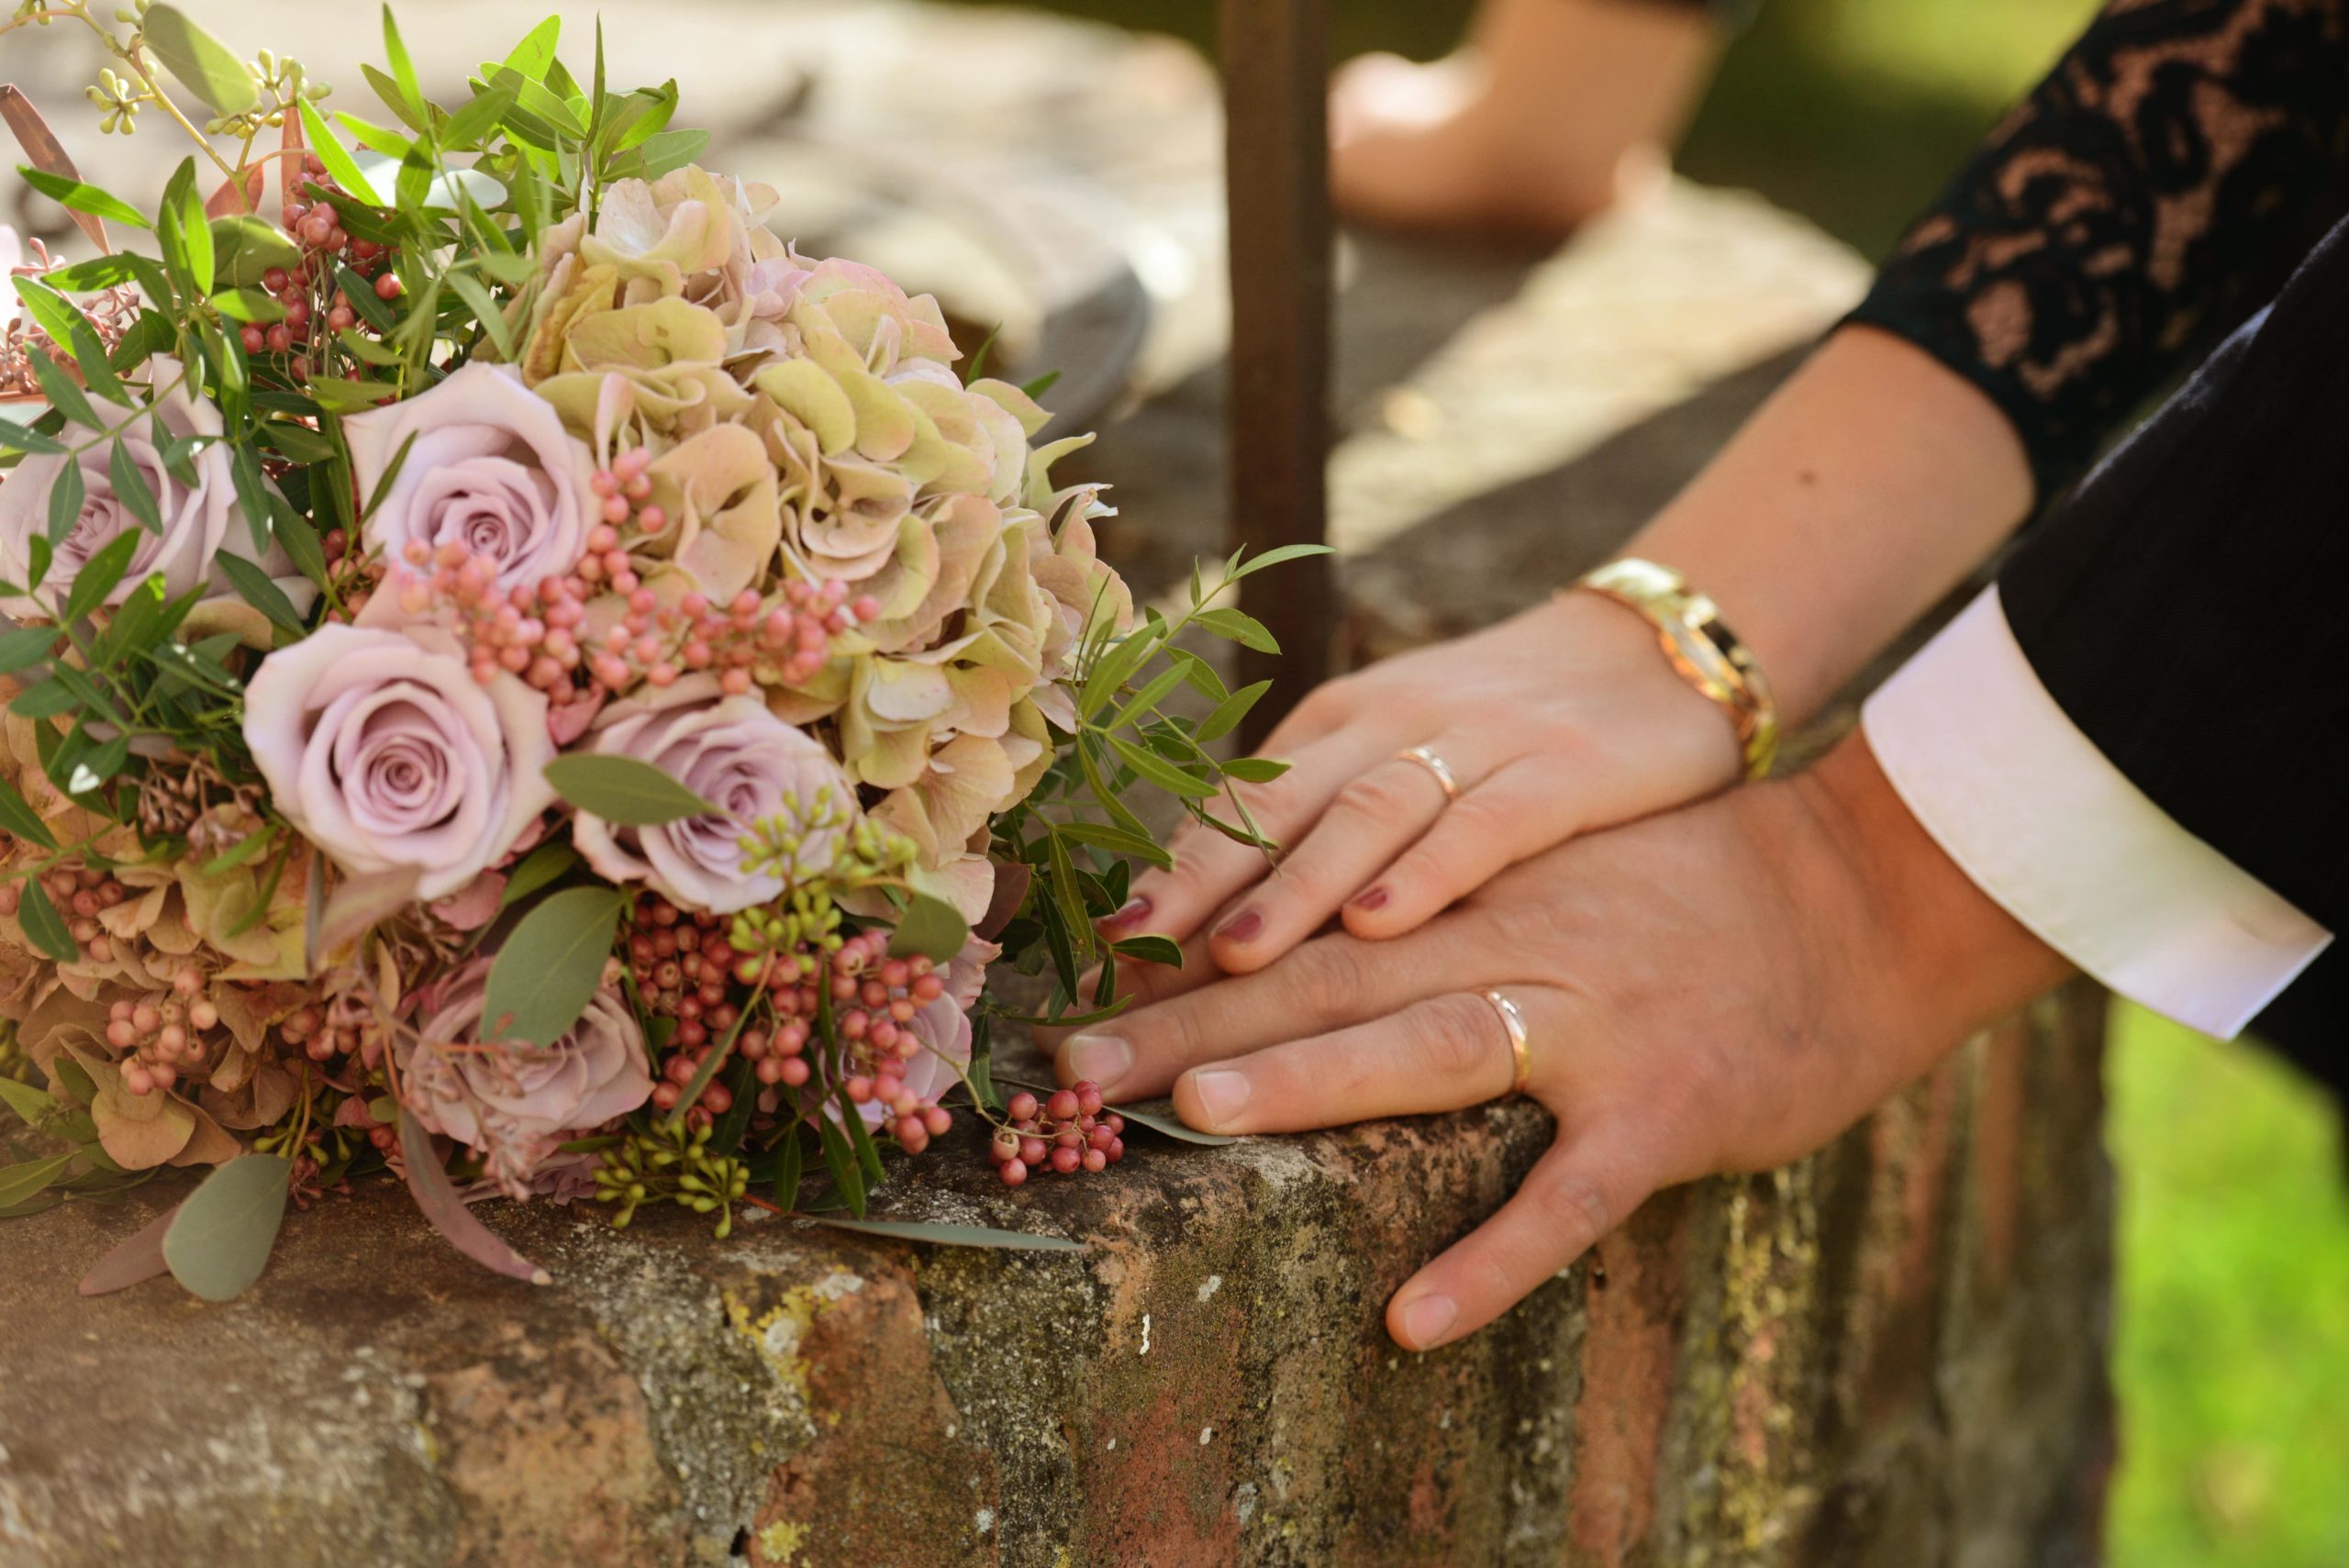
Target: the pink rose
(513, 1096)
(492, 468)
(200, 521)
(381, 749)
(738, 756)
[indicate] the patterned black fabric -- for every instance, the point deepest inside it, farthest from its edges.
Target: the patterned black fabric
(2156, 188)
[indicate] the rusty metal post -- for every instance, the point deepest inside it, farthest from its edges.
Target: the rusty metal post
(1275, 67)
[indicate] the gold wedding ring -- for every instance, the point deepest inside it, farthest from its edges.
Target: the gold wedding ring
(1427, 758)
(1520, 1046)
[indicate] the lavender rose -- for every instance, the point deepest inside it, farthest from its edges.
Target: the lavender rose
(200, 519)
(492, 468)
(381, 749)
(513, 1096)
(738, 756)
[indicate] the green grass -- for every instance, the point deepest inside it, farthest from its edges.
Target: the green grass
(2232, 1331)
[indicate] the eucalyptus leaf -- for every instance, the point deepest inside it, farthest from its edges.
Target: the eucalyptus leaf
(1167, 1125)
(932, 928)
(209, 68)
(219, 1240)
(551, 964)
(437, 1198)
(624, 790)
(138, 1257)
(955, 1235)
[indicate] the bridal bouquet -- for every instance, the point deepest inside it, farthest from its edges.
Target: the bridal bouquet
(520, 677)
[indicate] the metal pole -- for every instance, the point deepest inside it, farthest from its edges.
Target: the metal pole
(1275, 67)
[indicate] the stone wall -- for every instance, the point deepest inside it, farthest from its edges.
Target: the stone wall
(1890, 1356)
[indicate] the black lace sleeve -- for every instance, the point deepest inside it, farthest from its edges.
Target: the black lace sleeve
(2154, 188)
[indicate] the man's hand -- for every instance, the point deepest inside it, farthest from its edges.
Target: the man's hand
(1723, 988)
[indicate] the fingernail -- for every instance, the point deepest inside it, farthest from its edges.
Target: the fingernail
(1375, 899)
(1425, 1320)
(1223, 1095)
(1104, 1058)
(1135, 911)
(1241, 927)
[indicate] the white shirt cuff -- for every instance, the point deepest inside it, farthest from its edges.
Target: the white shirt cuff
(2043, 822)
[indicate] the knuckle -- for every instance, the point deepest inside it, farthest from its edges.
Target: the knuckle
(1331, 975)
(1571, 1205)
(1454, 1038)
(1376, 796)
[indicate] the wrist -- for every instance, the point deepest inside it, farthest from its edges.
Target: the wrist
(1940, 958)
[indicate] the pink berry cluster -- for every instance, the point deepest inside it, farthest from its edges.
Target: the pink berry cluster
(1067, 1132)
(159, 1036)
(683, 965)
(875, 998)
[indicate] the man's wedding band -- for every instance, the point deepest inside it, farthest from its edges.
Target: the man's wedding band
(1436, 765)
(1519, 1047)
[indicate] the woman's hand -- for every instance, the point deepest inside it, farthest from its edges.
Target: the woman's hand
(1723, 988)
(1565, 719)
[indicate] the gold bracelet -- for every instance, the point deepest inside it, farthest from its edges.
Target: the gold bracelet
(1703, 650)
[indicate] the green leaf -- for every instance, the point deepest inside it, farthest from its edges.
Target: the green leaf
(860, 1138)
(80, 197)
(1167, 1125)
(248, 306)
(207, 67)
(131, 489)
(932, 928)
(180, 210)
(25, 645)
(98, 576)
(403, 69)
(254, 586)
(1160, 772)
(840, 1159)
(536, 51)
(485, 309)
(339, 395)
(66, 1074)
(62, 393)
(471, 125)
(669, 151)
(220, 1240)
(1255, 770)
(45, 699)
(245, 247)
(29, 1104)
(623, 790)
(100, 763)
(25, 438)
(42, 924)
(1151, 950)
(1228, 713)
(336, 157)
(1042, 384)
(97, 273)
(66, 494)
(1109, 671)
(240, 851)
(1149, 697)
(1116, 840)
(1238, 627)
(956, 1235)
(549, 967)
(542, 867)
(301, 543)
(1276, 557)
(49, 309)
(20, 1184)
